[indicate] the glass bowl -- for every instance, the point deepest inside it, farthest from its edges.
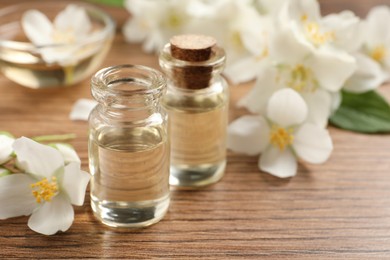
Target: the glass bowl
(24, 63)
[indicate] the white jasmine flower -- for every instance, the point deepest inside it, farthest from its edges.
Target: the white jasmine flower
(242, 31)
(255, 41)
(368, 76)
(302, 48)
(314, 77)
(373, 60)
(376, 43)
(60, 38)
(346, 29)
(301, 28)
(231, 22)
(155, 22)
(6, 150)
(46, 191)
(282, 136)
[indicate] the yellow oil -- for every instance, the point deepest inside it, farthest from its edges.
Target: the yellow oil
(130, 169)
(198, 138)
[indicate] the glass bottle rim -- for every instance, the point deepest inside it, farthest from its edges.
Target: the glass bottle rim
(148, 80)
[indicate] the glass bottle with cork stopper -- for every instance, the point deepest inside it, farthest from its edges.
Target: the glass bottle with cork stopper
(197, 104)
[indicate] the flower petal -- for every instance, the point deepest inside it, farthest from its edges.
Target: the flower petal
(347, 30)
(336, 101)
(255, 37)
(82, 108)
(319, 104)
(256, 99)
(138, 7)
(73, 18)
(37, 159)
(368, 76)
(154, 41)
(37, 27)
(6, 148)
(200, 9)
(68, 153)
(248, 134)
(16, 198)
(64, 55)
(286, 108)
(243, 70)
(332, 67)
(310, 8)
(281, 164)
(312, 143)
(135, 30)
(270, 7)
(377, 29)
(75, 183)
(52, 216)
(288, 44)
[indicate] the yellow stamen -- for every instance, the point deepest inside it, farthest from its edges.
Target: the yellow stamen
(44, 190)
(379, 53)
(263, 55)
(64, 37)
(281, 137)
(314, 32)
(174, 20)
(302, 79)
(235, 37)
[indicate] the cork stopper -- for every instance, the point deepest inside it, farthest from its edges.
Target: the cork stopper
(192, 48)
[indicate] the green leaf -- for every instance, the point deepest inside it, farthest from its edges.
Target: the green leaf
(52, 138)
(365, 113)
(119, 3)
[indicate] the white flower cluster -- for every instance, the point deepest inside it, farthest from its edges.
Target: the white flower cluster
(300, 59)
(277, 33)
(42, 181)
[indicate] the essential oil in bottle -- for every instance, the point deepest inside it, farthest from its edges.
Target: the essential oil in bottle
(197, 104)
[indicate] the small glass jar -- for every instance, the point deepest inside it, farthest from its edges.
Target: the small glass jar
(129, 148)
(197, 104)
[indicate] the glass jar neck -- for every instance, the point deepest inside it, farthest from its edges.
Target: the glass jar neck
(128, 88)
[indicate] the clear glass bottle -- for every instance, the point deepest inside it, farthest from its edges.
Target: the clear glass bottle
(197, 104)
(129, 149)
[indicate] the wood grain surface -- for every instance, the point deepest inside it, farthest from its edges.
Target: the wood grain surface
(340, 209)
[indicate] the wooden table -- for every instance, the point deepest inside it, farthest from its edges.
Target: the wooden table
(340, 209)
